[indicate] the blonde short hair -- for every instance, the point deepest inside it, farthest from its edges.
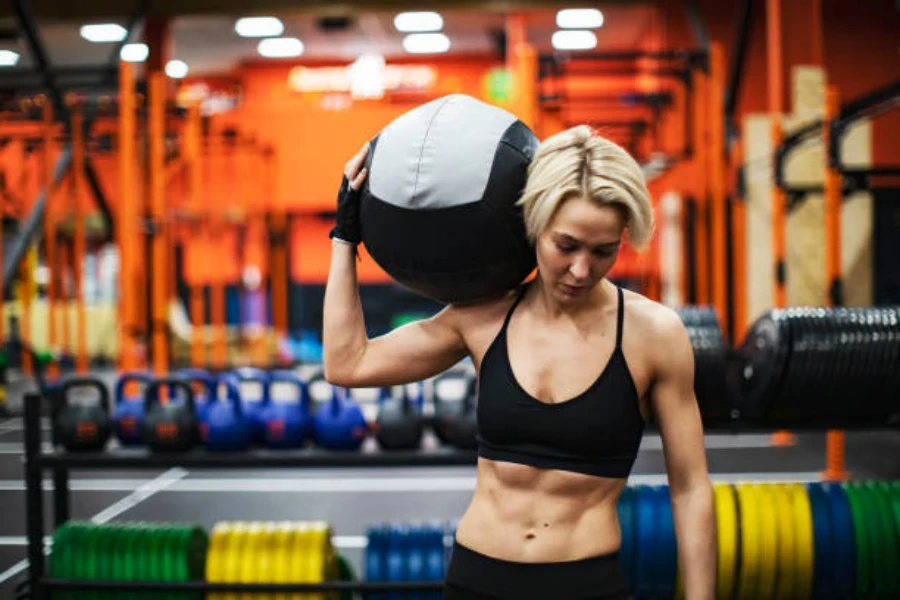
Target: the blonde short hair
(578, 162)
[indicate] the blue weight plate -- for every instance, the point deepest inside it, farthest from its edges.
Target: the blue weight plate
(844, 541)
(824, 563)
(628, 549)
(666, 546)
(647, 570)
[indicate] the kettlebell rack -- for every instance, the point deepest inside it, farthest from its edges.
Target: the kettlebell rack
(37, 462)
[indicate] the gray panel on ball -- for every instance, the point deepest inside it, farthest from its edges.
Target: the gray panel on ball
(422, 154)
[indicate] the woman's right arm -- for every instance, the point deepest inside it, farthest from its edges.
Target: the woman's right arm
(407, 354)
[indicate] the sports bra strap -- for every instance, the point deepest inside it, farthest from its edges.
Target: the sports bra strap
(621, 318)
(513, 307)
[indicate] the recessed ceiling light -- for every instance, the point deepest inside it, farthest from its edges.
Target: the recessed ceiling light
(574, 40)
(176, 69)
(579, 18)
(259, 27)
(280, 47)
(418, 22)
(426, 43)
(103, 32)
(8, 58)
(135, 53)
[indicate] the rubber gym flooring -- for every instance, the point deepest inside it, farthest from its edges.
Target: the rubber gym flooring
(351, 499)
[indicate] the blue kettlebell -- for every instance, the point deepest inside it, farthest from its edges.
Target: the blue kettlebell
(339, 424)
(255, 407)
(286, 424)
(227, 428)
(204, 393)
(128, 415)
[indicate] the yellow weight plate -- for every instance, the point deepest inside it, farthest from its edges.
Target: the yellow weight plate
(768, 527)
(250, 557)
(231, 564)
(298, 566)
(281, 545)
(265, 572)
(804, 546)
(786, 541)
(751, 542)
(727, 539)
(320, 554)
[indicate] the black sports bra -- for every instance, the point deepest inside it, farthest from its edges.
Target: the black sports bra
(597, 432)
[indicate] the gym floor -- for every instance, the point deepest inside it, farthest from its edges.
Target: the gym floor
(351, 499)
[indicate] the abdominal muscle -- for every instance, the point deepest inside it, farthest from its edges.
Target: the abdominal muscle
(524, 514)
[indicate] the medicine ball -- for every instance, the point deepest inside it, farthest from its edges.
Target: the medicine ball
(438, 210)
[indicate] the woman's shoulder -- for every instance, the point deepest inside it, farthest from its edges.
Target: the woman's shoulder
(486, 311)
(650, 317)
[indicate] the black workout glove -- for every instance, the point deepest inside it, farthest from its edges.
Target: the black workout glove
(346, 227)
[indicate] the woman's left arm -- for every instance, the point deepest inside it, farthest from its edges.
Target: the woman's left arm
(681, 429)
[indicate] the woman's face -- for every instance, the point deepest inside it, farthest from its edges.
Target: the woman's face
(578, 247)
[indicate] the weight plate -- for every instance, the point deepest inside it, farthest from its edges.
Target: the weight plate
(751, 542)
(628, 548)
(895, 502)
(345, 573)
(768, 528)
(61, 556)
(803, 526)
(787, 554)
(878, 542)
(666, 545)
(727, 539)
(861, 542)
(646, 541)
(823, 558)
(763, 357)
(250, 553)
(89, 553)
(844, 547)
(890, 538)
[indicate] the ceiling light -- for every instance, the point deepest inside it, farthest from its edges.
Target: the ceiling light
(280, 47)
(104, 32)
(579, 18)
(134, 53)
(259, 27)
(176, 69)
(8, 58)
(426, 43)
(574, 40)
(417, 22)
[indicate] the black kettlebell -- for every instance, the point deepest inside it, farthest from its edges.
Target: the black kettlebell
(82, 427)
(450, 390)
(399, 425)
(170, 427)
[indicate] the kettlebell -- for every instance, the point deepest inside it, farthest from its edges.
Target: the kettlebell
(465, 425)
(202, 396)
(227, 428)
(173, 426)
(451, 403)
(399, 425)
(286, 424)
(82, 427)
(128, 415)
(339, 423)
(253, 408)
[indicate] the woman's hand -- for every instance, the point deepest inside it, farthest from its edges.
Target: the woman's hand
(347, 227)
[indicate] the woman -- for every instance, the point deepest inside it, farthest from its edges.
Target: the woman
(570, 368)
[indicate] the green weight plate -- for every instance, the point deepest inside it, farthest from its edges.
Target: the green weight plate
(130, 567)
(895, 503)
(104, 548)
(90, 542)
(877, 542)
(345, 573)
(863, 543)
(61, 557)
(887, 551)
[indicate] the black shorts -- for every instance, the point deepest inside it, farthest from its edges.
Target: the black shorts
(474, 576)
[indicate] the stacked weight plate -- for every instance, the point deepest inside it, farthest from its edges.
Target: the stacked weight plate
(710, 356)
(398, 552)
(274, 552)
(822, 367)
(128, 552)
(775, 540)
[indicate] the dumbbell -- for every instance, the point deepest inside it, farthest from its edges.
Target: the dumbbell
(128, 414)
(286, 424)
(338, 423)
(82, 427)
(399, 424)
(227, 427)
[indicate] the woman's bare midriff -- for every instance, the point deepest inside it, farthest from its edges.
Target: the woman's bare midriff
(524, 514)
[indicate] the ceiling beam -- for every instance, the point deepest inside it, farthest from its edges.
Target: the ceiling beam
(65, 10)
